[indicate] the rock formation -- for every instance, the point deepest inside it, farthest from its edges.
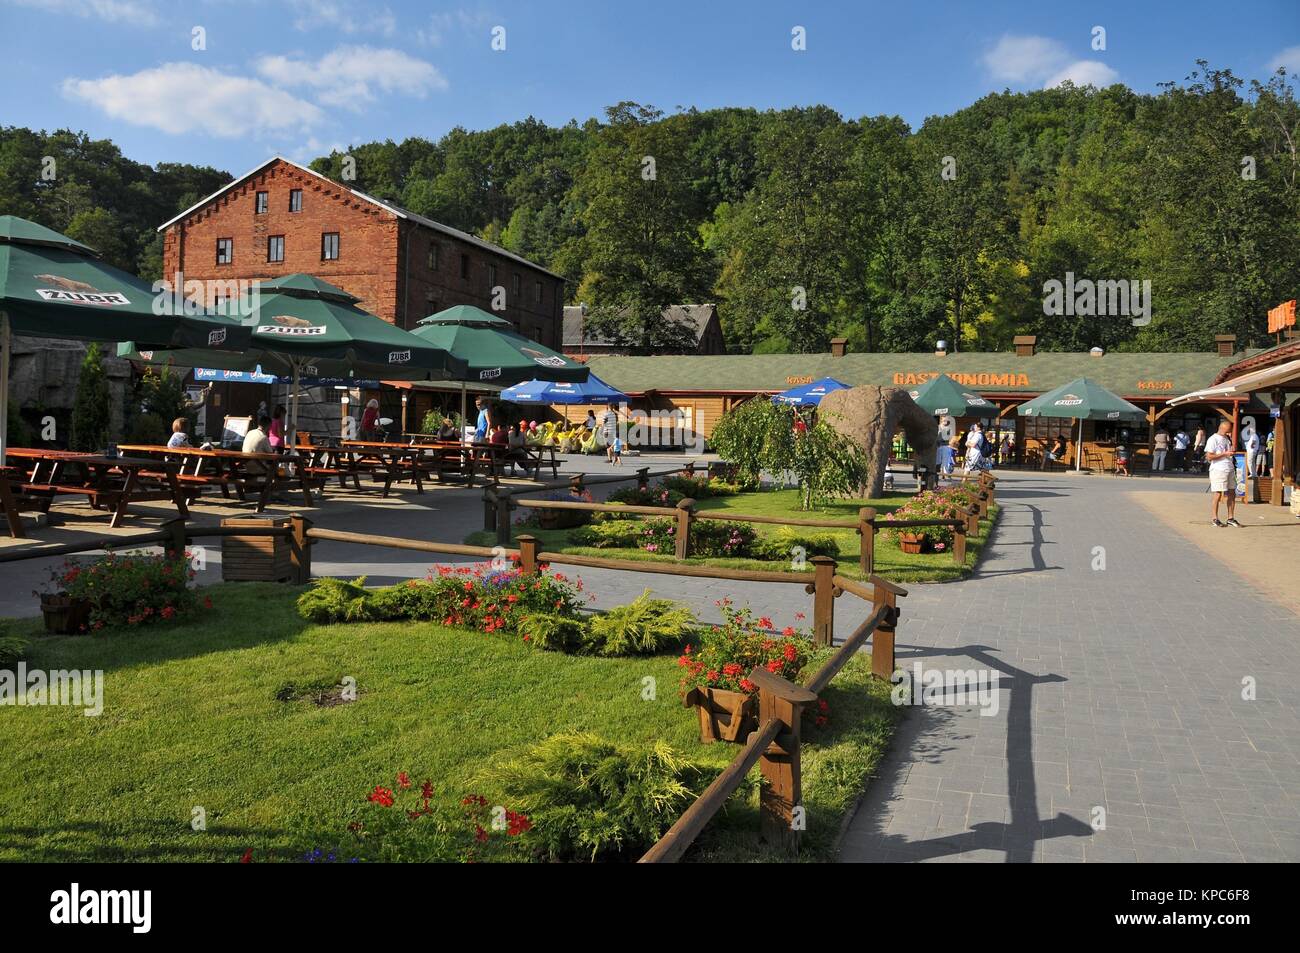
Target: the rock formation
(870, 416)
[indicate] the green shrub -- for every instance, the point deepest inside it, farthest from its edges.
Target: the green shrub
(698, 488)
(608, 534)
(642, 627)
(554, 633)
(131, 588)
(337, 600)
(148, 428)
(12, 646)
(657, 495)
(590, 799)
(778, 547)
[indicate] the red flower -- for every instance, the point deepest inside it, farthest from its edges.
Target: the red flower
(248, 857)
(747, 685)
(480, 834)
(403, 779)
(381, 795)
(426, 790)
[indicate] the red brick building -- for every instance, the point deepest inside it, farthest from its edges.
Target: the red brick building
(283, 218)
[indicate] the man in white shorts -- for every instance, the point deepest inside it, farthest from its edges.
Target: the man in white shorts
(1223, 473)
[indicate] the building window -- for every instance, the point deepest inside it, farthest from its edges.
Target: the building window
(295, 200)
(430, 303)
(433, 256)
(516, 288)
(539, 292)
(464, 266)
(329, 246)
(492, 277)
(263, 203)
(225, 251)
(275, 248)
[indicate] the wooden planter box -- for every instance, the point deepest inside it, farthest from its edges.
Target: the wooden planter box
(562, 519)
(724, 715)
(911, 543)
(256, 558)
(63, 614)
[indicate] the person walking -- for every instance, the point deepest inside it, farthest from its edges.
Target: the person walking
(483, 426)
(1250, 442)
(973, 440)
(1268, 453)
(1161, 450)
(1198, 448)
(370, 420)
(1223, 473)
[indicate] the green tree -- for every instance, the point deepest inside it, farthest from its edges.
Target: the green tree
(90, 413)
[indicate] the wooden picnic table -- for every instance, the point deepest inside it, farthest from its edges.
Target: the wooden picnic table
(492, 457)
(393, 462)
(109, 482)
(231, 469)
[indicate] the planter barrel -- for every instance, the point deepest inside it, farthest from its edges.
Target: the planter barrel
(256, 558)
(911, 543)
(64, 615)
(724, 715)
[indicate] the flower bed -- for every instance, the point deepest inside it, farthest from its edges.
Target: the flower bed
(944, 504)
(727, 653)
(129, 588)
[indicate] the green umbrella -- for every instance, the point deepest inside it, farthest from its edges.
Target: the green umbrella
(944, 397)
(493, 352)
(304, 326)
(53, 286)
(1081, 399)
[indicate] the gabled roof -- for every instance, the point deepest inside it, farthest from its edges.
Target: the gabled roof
(1279, 354)
(1142, 375)
(694, 316)
(387, 206)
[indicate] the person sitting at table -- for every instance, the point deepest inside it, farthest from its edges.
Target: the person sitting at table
(516, 454)
(179, 437)
(447, 431)
(275, 436)
(256, 441)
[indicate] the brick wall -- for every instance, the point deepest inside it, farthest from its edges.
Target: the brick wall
(434, 288)
(367, 263)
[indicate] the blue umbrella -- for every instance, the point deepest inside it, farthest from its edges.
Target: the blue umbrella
(809, 394)
(592, 391)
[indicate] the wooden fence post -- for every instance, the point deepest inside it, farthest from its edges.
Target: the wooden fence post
(527, 555)
(643, 478)
(823, 589)
(685, 509)
(175, 545)
(867, 530)
(882, 640)
(782, 794)
(489, 509)
(300, 548)
(503, 520)
(689, 469)
(982, 501)
(959, 544)
(973, 519)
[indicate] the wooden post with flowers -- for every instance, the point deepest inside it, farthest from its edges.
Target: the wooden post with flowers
(300, 548)
(685, 510)
(780, 802)
(867, 530)
(527, 554)
(174, 547)
(882, 640)
(823, 590)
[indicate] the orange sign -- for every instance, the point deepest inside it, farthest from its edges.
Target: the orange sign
(1283, 316)
(1155, 385)
(796, 381)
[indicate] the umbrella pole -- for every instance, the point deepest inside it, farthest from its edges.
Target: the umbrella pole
(293, 410)
(4, 385)
(462, 411)
(1078, 450)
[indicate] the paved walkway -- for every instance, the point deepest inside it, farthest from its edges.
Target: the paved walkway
(1119, 689)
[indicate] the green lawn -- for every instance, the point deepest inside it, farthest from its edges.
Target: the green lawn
(192, 719)
(891, 562)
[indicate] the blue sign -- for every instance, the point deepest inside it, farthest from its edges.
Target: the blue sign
(259, 377)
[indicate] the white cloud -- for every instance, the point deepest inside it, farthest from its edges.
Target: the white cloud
(1288, 59)
(1018, 59)
(350, 76)
(137, 12)
(1084, 73)
(1040, 59)
(442, 25)
(182, 98)
(349, 16)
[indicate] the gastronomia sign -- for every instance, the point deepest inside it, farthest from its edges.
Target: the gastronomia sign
(966, 380)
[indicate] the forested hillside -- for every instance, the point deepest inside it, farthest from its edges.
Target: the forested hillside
(889, 236)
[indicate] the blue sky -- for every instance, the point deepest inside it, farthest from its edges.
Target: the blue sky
(301, 76)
